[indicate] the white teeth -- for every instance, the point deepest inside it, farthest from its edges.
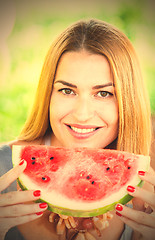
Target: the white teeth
(83, 130)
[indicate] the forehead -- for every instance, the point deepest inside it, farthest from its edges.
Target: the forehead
(82, 65)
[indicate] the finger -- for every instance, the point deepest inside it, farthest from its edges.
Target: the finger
(12, 175)
(22, 209)
(145, 231)
(139, 217)
(16, 197)
(146, 196)
(147, 177)
(7, 223)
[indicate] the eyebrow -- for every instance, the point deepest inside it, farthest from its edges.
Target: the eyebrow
(103, 85)
(66, 83)
(95, 87)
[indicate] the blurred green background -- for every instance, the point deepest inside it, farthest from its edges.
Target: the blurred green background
(27, 29)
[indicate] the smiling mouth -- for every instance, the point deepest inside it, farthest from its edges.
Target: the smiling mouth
(83, 130)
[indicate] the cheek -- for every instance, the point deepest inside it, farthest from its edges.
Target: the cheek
(59, 108)
(55, 111)
(113, 116)
(109, 113)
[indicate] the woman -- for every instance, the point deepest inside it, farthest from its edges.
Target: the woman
(90, 94)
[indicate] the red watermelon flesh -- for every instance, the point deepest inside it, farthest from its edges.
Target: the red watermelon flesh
(78, 175)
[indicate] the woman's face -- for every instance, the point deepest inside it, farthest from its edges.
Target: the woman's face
(83, 108)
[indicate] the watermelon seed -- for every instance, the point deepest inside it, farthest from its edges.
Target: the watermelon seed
(92, 182)
(108, 168)
(129, 167)
(51, 158)
(88, 177)
(46, 179)
(33, 158)
(33, 162)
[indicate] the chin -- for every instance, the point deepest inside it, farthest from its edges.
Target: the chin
(83, 145)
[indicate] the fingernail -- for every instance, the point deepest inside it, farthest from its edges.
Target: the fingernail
(142, 173)
(118, 214)
(21, 162)
(119, 207)
(43, 205)
(37, 193)
(130, 189)
(39, 213)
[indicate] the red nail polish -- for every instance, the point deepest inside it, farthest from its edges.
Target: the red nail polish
(119, 207)
(43, 205)
(131, 189)
(21, 162)
(142, 173)
(37, 193)
(39, 213)
(118, 214)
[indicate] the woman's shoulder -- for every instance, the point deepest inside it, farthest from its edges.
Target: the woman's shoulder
(6, 148)
(5, 158)
(6, 155)
(6, 164)
(8, 145)
(21, 142)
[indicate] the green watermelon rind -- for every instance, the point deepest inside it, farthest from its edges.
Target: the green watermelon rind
(82, 213)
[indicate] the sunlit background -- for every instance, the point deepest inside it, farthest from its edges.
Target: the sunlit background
(27, 29)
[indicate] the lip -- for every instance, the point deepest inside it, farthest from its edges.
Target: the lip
(82, 135)
(83, 126)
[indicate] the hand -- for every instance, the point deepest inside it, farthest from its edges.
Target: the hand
(12, 210)
(142, 217)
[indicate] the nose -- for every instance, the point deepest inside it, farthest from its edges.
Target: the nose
(83, 109)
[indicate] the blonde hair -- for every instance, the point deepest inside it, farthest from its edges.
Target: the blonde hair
(98, 37)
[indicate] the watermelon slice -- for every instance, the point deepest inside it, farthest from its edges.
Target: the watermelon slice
(79, 182)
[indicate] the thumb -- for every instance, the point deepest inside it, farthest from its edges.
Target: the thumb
(138, 204)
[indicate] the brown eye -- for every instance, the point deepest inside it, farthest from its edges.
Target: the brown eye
(66, 91)
(104, 94)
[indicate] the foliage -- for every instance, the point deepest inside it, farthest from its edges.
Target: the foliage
(13, 110)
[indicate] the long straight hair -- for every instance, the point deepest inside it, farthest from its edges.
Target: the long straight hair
(98, 37)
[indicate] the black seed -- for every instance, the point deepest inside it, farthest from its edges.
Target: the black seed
(45, 179)
(92, 182)
(88, 177)
(33, 162)
(108, 168)
(51, 158)
(33, 158)
(129, 167)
